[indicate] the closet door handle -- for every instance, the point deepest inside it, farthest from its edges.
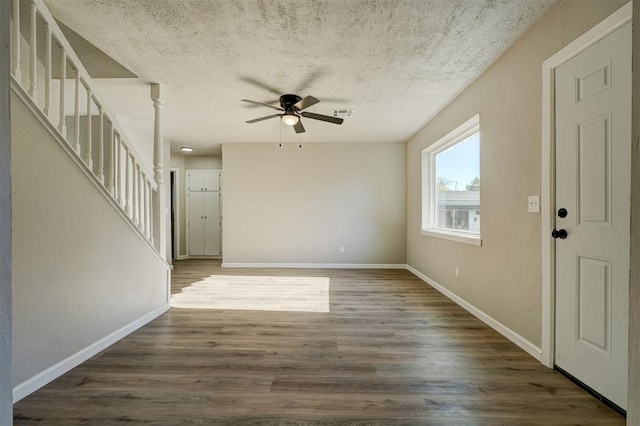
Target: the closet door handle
(559, 233)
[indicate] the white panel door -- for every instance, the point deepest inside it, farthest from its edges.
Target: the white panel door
(593, 148)
(211, 223)
(196, 223)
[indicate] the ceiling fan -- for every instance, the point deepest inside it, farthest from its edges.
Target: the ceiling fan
(291, 110)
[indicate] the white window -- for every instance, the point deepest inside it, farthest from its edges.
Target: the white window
(451, 185)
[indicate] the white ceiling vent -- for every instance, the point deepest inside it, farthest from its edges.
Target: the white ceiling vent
(342, 113)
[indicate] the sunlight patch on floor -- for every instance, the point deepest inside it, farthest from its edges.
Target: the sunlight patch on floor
(300, 294)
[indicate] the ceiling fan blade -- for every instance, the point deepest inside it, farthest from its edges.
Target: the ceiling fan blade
(335, 100)
(260, 103)
(255, 120)
(305, 103)
(321, 117)
(298, 127)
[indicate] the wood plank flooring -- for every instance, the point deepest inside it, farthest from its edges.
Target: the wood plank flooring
(391, 351)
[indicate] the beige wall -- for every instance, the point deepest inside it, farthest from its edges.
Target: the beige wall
(292, 205)
(633, 409)
(503, 277)
(203, 162)
(6, 388)
(80, 272)
(184, 163)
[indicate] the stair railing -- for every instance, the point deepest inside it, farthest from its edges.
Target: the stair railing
(51, 79)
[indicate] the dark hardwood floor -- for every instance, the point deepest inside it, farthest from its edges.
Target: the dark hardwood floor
(391, 351)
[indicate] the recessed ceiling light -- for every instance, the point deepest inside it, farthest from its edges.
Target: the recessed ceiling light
(186, 149)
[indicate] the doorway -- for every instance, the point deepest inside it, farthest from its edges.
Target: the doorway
(586, 148)
(174, 213)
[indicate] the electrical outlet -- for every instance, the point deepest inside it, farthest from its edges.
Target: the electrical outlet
(534, 204)
(341, 249)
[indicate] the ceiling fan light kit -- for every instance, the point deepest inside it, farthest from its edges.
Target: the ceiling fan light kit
(291, 110)
(290, 119)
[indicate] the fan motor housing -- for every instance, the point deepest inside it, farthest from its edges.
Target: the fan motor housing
(288, 101)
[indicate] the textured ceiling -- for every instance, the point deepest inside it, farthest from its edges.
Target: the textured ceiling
(395, 63)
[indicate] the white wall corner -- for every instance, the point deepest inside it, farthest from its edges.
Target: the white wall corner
(523, 343)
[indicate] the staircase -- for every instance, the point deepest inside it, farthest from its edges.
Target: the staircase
(51, 79)
(90, 252)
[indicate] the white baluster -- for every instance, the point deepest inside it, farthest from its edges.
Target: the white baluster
(16, 37)
(136, 168)
(47, 71)
(127, 182)
(110, 169)
(62, 127)
(101, 145)
(151, 213)
(89, 144)
(143, 217)
(76, 117)
(147, 208)
(33, 65)
(116, 181)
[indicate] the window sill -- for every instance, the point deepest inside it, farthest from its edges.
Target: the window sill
(453, 236)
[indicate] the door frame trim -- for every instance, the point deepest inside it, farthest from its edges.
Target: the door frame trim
(592, 36)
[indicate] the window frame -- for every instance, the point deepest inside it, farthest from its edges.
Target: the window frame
(429, 184)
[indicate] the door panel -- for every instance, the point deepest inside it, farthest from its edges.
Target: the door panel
(211, 181)
(594, 303)
(195, 180)
(593, 147)
(212, 223)
(594, 82)
(594, 180)
(196, 223)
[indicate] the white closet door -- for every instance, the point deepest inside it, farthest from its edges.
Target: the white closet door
(211, 223)
(195, 180)
(211, 181)
(196, 223)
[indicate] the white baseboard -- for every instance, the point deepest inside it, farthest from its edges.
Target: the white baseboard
(39, 380)
(315, 265)
(523, 343)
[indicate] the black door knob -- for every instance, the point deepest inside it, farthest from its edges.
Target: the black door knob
(559, 233)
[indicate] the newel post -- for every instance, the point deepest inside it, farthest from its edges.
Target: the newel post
(160, 207)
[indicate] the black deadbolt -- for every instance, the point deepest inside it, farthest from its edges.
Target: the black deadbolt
(562, 212)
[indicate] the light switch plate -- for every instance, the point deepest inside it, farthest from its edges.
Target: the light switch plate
(534, 204)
